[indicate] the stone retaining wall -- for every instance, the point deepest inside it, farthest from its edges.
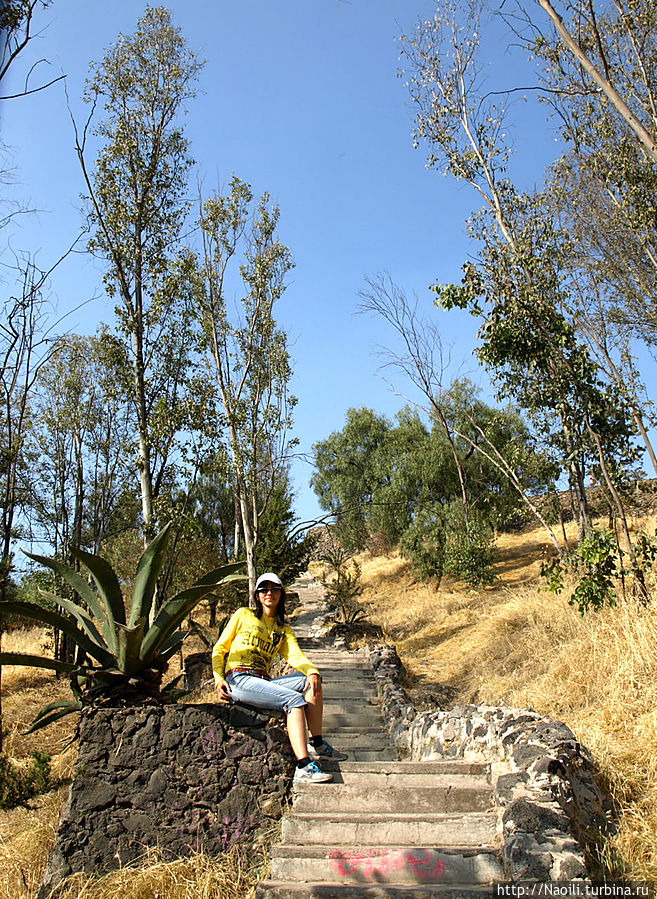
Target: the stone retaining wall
(549, 803)
(180, 778)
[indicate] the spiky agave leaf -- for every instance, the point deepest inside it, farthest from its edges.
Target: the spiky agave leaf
(148, 569)
(81, 615)
(171, 645)
(53, 712)
(106, 582)
(31, 661)
(175, 609)
(203, 633)
(130, 640)
(38, 613)
(169, 618)
(103, 613)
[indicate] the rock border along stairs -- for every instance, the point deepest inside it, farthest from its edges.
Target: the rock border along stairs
(383, 828)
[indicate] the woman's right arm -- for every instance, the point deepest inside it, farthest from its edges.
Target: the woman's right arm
(220, 653)
(223, 689)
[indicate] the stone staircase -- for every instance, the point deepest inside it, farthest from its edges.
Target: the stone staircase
(382, 828)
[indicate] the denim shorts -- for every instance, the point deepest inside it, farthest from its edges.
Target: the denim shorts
(282, 693)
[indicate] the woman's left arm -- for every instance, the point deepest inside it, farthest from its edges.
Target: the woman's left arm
(314, 686)
(291, 652)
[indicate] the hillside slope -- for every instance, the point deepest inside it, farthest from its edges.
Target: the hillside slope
(515, 643)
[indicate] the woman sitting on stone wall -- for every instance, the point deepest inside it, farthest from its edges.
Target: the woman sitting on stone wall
(241, 660)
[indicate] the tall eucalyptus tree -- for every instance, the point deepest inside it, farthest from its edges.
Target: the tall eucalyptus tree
(246, 348)
(137, 206)
(517, 288)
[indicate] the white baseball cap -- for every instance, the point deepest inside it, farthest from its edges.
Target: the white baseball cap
(269, 578)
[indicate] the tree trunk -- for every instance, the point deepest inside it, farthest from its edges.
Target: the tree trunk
(642, 135)
(457, 461)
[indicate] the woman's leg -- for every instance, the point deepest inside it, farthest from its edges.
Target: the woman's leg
(284, 694)
(315, 707)
(296, 731)
(265, 694)
(314, 712)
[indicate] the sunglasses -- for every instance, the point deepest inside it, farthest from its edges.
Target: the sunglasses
(270, 589)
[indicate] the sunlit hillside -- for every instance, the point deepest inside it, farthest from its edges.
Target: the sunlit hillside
(517, 644)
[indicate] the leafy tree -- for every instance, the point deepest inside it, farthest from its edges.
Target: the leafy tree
(246, 348)
(469, 548)
(348, 473)
(422, 362)
(398, 480)
(423, 544)
(137, 196)
(527, 340)
(281, 547)
(610, 59)
(23, 334)
(604, 265)
(80, 449)
(81, 444)
(605, 187)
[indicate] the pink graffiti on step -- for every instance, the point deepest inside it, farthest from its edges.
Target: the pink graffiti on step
(426, 864)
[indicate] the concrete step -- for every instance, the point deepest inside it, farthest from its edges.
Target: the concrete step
(374, 727)
(333, 657)
(342, 673)
(346, 665)
(271, 889)
(382, 799)
(345, 716)
(385, 865)
(357, 676)
(472, 829)
(353, 703)
(350, 690)
(352, 774)
(369, 755)
(433, 768)
(361, 740)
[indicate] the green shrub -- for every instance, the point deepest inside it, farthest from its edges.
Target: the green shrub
(342, 582)
(470, 550)
(595, 562)
(423, 544)
(18, 785)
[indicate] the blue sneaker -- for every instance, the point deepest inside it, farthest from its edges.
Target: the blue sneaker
(326, 751)
(311, 774)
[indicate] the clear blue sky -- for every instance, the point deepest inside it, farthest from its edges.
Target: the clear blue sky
(301, 99)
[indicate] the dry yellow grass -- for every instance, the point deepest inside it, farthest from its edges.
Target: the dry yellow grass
(230, 876)
(26, 835)
(517, 644)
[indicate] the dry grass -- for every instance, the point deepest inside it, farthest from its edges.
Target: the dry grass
(26, 835)
(24, 692)
(517, 644)
(230, 876)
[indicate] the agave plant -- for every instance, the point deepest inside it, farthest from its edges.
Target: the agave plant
(122, 647)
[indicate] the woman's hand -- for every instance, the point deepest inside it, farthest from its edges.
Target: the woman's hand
(223, 689)
(314, 687)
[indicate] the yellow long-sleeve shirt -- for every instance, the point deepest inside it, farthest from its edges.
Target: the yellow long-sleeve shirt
(251, 642)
